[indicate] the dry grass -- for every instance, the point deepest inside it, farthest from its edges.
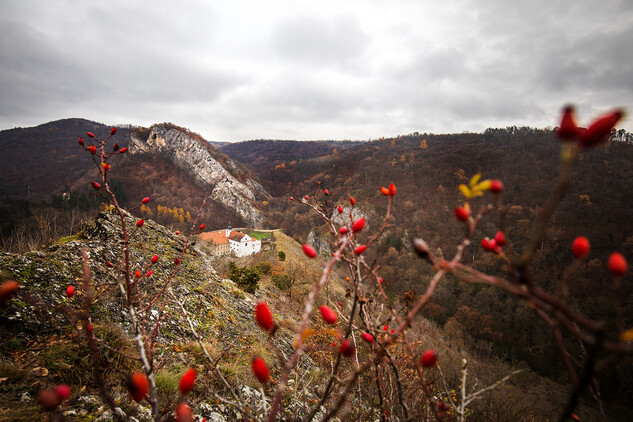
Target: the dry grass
(308, 270)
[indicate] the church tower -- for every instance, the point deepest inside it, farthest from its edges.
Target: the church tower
(229, 229)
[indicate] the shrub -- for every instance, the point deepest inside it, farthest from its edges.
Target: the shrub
(265, 267)
(282, 281)
(249, 282)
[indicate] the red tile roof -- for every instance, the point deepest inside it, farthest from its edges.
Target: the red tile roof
(218, 237)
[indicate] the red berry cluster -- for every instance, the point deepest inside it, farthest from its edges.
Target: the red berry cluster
(597, 132)
(50, 399)
(495, 244)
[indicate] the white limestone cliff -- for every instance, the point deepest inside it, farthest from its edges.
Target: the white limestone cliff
(196, 157)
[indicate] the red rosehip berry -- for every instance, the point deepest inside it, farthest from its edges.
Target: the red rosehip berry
(500, 238)
(96, 186)
(113, 131)
(617, 264)
(488, 245)
(384, 191)
(306, 197)
(70, 291)
(48, 399)
(352, 201)
(380, 280)
(140, 223)
(496, 186)
(184, 413)
(263, 316)
(201, 226)
(291, 198)
(123, 150)
(7, 289)
(62, 391)
(386, 328)
(580, 247)
(138, 386)
(187, 381)
(367, 337)
(328, 314)
(429, 358)
(138, 274)
(462, 214)
(89, 327)
(90, 134)
(598, 131)
(149, 273)
(145, 200)
(568, 128)
(325, 191)
(359, 250)
(109, 264)
(347, 349)
(154, 259)
(339, 209)
(343, 230)
(392, 190)
(177, 261)
(308, 250)
(81, 141)
(260, 370)
(92, 149)
(358, 225)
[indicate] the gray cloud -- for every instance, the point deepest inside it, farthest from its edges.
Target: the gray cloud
(359, 69)
(320, 42)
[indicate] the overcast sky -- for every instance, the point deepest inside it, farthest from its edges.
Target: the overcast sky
(238, 70)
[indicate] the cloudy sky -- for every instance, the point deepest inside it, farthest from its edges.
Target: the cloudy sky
(238, 70)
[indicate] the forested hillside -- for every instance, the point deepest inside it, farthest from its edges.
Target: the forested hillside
(427, 170)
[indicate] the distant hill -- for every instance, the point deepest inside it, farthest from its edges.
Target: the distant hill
(45, 161)
(264, 156)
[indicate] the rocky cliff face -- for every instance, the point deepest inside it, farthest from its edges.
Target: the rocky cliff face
(210, 168)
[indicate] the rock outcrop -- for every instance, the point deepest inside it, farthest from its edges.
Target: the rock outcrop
(211, 169)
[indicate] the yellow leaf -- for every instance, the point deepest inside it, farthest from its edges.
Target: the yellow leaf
(464, 190)
(485, 185)
(305, 334)
(474, 180)
(627, 335)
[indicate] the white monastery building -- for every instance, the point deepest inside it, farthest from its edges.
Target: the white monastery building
(223, 242)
